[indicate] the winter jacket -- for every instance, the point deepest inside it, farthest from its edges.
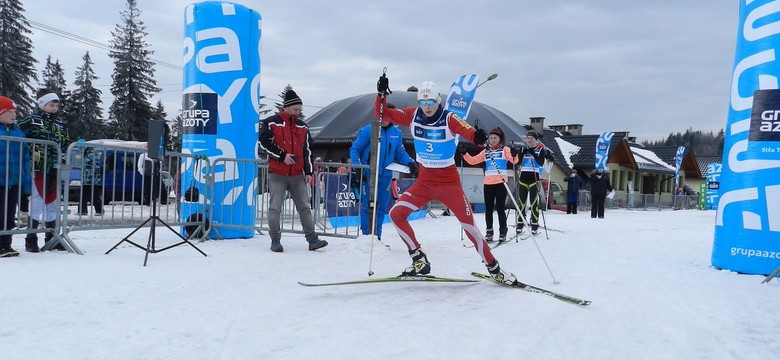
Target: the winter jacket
(391, 149)
(44, 126)
(573, 189)
(14, 160)
(92, 173)
(599, 184)
(283, 134)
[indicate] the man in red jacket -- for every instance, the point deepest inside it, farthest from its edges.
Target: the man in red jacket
(285, 137)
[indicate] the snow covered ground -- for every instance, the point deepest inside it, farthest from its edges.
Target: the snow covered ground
(648, 274)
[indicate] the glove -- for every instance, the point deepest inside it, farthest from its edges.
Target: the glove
(513, 152)
(413, 169)
(549, 155)
(480, 136)
(383, 85)
(462, 150)
(354, 178)
(520, 150)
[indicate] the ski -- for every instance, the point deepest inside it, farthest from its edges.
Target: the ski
(538, 290)
(400, 278)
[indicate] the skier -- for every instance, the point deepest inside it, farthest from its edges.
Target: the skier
(532, 158)
(392, 151)
(495, 177)
(435, 132)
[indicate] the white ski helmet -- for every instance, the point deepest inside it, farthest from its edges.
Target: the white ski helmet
(428, 90)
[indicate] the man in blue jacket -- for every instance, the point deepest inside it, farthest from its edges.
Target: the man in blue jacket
(391, 150)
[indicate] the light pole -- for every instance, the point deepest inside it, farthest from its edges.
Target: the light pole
(491, 77)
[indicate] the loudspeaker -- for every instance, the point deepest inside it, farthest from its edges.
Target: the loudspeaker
(158, 137)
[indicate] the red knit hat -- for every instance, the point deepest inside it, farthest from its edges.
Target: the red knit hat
(6, 104)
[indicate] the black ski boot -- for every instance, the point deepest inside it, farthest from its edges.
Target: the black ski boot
(420, 264)
(502, 233)
(489, 235)
(50, 235)
(31, 240)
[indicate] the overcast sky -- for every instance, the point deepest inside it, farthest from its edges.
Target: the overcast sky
(648, 67)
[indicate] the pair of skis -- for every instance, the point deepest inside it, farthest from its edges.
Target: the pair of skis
(429, 278)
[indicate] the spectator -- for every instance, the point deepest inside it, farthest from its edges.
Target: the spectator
(91, 182)
(573, 192)
(15, 170)
(44, 124)
(285, 137)
(391, 151)
(599, 184)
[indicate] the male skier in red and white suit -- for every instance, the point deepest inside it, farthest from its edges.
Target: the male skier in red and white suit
(435, 132)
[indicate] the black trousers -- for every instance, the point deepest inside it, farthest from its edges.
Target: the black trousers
(495, 199)
(9, 198)
(597, 206)
(571, 207)
(91, 194)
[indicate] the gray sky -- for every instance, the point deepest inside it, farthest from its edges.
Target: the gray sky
(648, 67)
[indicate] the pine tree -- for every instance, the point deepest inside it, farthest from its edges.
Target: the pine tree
(177, 129)
(17, 64)
(53, 77)
(133, 77)
(86, 102)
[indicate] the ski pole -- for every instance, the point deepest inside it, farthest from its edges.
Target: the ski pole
(372, 199)
(540, 189)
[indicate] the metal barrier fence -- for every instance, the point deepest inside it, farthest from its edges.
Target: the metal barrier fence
(635, 201)
(329, 178)
(16, 170)
(105, 177)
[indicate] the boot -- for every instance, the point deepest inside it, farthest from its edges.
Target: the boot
(50, 235)
(317, 244)
(489, 235)
(31, 240)
(420, 264)
(502, 233)
(535, 229)
(276, 246)
(501, 275)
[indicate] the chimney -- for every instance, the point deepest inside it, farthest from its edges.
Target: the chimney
(574, 129)
(537, 123)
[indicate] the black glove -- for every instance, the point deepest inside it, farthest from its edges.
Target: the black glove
(522, 149)
(413, 169)
(462, 150)
(480, 136)
(354, 178)
(383, 85)
(513, 152)
(549, 155)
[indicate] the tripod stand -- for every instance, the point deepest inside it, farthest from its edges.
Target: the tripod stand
(151, 243)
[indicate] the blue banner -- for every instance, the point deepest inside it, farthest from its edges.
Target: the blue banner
(678, 158)
(747, 224)
(602, 150)
(342, 205)
(713, 185)
(220, 105)
(462, 94)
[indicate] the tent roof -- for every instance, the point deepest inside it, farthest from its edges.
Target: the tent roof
(340, 121)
